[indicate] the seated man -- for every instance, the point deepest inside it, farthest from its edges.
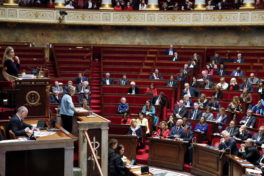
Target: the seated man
(195, 113)
(81, 78)
(123, 81)
(185, 70)
(221, 117)
(180, 77)
(228, 143)
(249, 120)
(243, 134)
(65, 89)
(156, 75)
(55, 98)
(238, 72)
(245, 84)
(86, 95)
(175, 57)
(208, 84)
(232, 129)
(253, 79)
(259, 137)
(18, 126)
(239, 58)
(159, 100)
(133, 89)
(249, 152)
(213, 104)
(216, 58)
(57, 87)
(177, 130)
(172, 82)
(170, 51)
(107, 80)
(180, 111)
(84, 86)
(259, 108)
(221, 71)
(190, 91)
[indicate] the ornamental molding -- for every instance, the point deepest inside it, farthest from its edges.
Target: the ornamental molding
(135, 18)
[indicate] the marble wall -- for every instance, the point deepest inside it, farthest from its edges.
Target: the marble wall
(210, 36)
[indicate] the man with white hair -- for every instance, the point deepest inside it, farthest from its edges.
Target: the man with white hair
(228, 143)
(180, 111)
(17, 125)
(57, 87)
(84, 86)
(177, 130)
(133, 89)
(195, 113)
(253, 79)
(190, 91)
(239, 58)
(107, 80)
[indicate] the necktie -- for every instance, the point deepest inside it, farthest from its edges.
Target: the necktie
(194, 114)
(231, 131)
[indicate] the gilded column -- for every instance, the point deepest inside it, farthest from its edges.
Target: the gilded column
(106, 5)
(199, 5)
(153, 5)
(248, 4)
(10, 3)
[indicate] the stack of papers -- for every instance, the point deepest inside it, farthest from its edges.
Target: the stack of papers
(42, 134)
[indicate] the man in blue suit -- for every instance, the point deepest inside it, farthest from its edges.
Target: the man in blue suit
(192, 92)
(239, 59)
(177, 130)
(18, 126)
(195, 113)
(249, 120)
(227, 142)
(238, 72)
(170, 51)
(259, 137)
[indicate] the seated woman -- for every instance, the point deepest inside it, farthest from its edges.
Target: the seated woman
(234, 106)
(85, 105)
(208, 115)
(142, 121)
(194, 83)
(152, 90)
(209, 70)
(135, 130)
(233, 84)
(149, 110)
(170, 122)
(11, 63)
(202, 101)
(163, 130)
(123, 108)
(202, 126)
(246, 98)
(117, 164)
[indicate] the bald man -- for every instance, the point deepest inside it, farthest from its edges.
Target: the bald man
(177, 130)
(18, 126)
(249, 152)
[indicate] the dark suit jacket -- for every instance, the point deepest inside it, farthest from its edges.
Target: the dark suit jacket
(251, 122)
(215, 105)
(176, 59)
(231, 144)
(138, 132)
(79, 80)
(198, 114)
(241, 60)
(174, 83)
(182, 112)
(152, 76)
(232, 131)
(163, 100)
(193, 92)
(244, 136)
(136, 90)
(260, 141)
(234, 73)
(168, 51)
(218, 95)
(175, 131)
(184, 71)
(18, 126)
(219, 73)
(247, 85)
(12, 67)
(187, 136)
(251, 154)
(216, 59)
(111, 81)
(211, 85)
(120, 82)
(54, 100)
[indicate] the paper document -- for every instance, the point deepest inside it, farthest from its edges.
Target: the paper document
(42, 134)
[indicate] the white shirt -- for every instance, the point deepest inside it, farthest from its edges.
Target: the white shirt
(68, 6)
(107, 82)
(90, 5)
(142, 7)
(157, 101)
(171, 52)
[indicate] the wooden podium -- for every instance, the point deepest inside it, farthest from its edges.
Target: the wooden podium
(34, 94)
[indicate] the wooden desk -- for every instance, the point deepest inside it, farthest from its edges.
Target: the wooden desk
(49, 155)
(97, 128)
(207, 161)
(132, 172)
(235, 165)
(129, 142)
(167, 153)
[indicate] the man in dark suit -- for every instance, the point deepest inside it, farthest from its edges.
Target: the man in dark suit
(180, 111)
(175, 57)
(171, 82)
(156, 75)
(185, 70)
(80, 78)
(133, 89)
(249, 152)
(177, 130)
(227, 142)
(55, 98)
(238, 72)
(221, 71)
(239, 59)
(232, 129)
(170, 51)
(249, 120)
(259, 137)
(18, 126)
(213, 104)
(107, 80)
(160, 100)
(187, 135)
(123, 81)
(192, 92)
(243, 134)
(195, 113)
(205, 76)
(181, 77)
(216, 58)
(208, 84)
(245, 84)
